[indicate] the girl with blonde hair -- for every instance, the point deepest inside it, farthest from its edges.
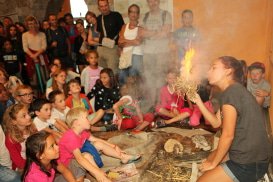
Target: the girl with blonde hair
(18, 127)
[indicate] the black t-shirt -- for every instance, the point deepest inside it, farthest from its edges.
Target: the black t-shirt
(60, 35)
(11, 61)
(250, 143)
(112, 22)
(105, 98)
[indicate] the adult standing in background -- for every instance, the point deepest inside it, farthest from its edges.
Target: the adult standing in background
(80, 45)
(129, 41)
(34, 45)
(72, 32)
(93, 34)
(58, 42)
(157, 25)
(109, 25)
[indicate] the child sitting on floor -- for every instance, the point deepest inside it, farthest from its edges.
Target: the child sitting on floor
(53, 69)
(42, 121)
(90, 73)
(24, 94)
(59, 109)
(106, 93)
(41, 165)
(75, 138)
(171, 107)
(128, 114)
(5, 101)
(76, 99)
(18, 126)
(257, 85)
(209, 97)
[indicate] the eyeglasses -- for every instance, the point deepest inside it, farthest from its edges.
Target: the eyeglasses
(27, 95)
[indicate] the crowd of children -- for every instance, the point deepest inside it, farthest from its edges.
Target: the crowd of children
(48, 132)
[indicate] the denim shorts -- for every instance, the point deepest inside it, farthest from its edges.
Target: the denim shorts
(245, 172)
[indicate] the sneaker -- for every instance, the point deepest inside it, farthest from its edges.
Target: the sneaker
(160, 123)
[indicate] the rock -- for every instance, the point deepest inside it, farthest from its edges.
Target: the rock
(201, 142)
(173, 145)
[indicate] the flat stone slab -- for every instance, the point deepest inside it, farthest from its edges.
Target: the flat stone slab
(157, 165)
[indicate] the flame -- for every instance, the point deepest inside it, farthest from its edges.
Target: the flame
(187, 62)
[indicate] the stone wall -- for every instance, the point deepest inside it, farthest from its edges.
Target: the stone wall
(19, 9)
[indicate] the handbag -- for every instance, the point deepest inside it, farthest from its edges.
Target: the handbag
(83, 48)
(107, 42)
(125, 59)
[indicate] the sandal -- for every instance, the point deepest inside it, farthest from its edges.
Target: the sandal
(185, 122)
(135, 158)
(160, 123)
(111, 127)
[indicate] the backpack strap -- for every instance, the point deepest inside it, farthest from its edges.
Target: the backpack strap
(146, 17)
(164, 16)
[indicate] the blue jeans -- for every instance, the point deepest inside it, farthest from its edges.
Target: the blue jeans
(134, 70)
(251, 172)
(8, 175)
(90, 148)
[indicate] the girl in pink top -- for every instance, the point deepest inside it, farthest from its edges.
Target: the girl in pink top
(42, 152)
(171, 106)
(91, 73)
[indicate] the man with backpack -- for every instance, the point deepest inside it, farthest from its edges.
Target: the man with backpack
(157, 24)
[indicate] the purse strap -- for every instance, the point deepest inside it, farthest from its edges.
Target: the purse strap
(103, 27)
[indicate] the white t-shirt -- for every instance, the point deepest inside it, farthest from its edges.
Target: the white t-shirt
(40, 125)
(23, 147)
(34, 42)
(56, 114)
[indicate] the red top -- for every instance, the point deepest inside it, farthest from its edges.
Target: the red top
(72, 33)
(84, 99)
(15, 153)
(169, 100)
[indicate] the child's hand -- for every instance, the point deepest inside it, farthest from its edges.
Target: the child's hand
(261, 93)
(197, 100)
(54, 44)
(119, 121)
